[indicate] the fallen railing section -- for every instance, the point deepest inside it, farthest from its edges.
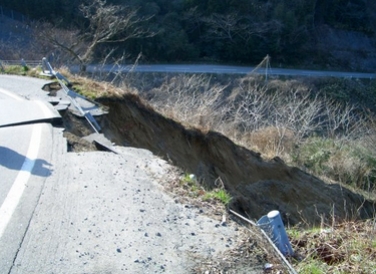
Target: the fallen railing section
(47, 70)
(291, 270)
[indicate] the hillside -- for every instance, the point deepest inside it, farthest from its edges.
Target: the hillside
(327, 34)
(256, 183)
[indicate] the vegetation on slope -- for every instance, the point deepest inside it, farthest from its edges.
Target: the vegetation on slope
(319, 32)
(280, 118)
(325, 127)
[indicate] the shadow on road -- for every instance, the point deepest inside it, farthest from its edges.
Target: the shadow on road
(13, 160)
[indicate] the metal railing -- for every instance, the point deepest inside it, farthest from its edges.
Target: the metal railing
(14, 15)
(22, 62)
(64, 83)
(25, 63)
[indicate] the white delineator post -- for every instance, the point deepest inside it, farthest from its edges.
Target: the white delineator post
(273, 226)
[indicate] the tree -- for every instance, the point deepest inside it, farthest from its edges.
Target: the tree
(105, 24)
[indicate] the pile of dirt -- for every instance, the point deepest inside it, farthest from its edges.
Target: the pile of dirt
(257, 186)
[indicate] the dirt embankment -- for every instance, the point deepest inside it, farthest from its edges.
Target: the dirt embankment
(257, 186)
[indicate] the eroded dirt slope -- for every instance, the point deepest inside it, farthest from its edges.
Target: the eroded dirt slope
(257, 186)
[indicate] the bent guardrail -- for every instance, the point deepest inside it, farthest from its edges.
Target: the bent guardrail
(47, 70)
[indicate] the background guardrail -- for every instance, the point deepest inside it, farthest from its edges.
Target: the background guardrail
(14, 15)
(22, 62)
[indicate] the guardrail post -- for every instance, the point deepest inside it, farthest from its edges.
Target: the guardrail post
(273, 226)
(46, 67)
(23, 63)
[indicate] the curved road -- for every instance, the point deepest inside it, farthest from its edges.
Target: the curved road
(93, 212)
(25, 155)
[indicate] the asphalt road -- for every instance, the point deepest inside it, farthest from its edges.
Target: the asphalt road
(94, 212)
(228, 69)
(25, 155)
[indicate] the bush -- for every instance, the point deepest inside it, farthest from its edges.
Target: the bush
(344, 161)
(307, 129)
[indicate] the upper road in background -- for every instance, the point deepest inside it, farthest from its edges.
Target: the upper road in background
(221, 69)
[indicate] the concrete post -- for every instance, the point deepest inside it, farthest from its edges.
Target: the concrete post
(23, 63)
(273, 226)
(46, 67)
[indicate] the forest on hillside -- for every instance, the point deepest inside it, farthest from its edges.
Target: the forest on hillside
(314, 32)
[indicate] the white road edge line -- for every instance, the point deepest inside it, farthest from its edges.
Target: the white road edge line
(47, 112)
(10, 94)
(15, 193)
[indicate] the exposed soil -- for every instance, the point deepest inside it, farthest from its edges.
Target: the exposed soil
(257, 186)
(248, 252)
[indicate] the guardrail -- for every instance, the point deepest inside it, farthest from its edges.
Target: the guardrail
(47, 70)
(22, 62)
(291, 270)
(14, 15)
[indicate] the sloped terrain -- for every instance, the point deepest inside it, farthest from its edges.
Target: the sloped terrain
(257, 186)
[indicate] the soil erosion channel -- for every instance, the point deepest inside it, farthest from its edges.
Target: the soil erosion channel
(257, 186)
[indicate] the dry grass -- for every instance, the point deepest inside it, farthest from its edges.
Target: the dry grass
(340, 248)
(328, 139)
(268, 140)
(89, 87)
(257, 116)
(251, 249)
(281, 118)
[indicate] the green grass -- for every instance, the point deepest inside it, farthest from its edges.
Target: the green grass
(190, 184)
(84, 88)
(220, 194)
(342, 248)
(85, 91)
(313, 267)
(345, 162)
(352, 245)
(15, 69)
(195, 189)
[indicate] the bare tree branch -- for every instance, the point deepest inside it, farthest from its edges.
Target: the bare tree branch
(231, 26)
(106, 24)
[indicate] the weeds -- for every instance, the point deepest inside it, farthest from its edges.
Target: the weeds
(195, 189)
(220, 194)
(344, 248)
(189, 183)
(15, 69)
(345, 162)
(281, 119)
(329, 139)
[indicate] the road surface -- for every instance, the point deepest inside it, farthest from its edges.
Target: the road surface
(219, 69)
(25, 156)
(94, 212)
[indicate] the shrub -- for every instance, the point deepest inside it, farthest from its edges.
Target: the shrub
(345, 161)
